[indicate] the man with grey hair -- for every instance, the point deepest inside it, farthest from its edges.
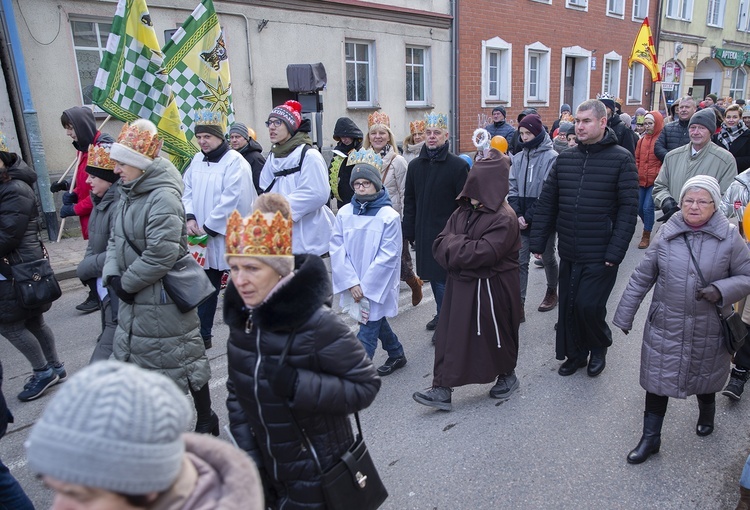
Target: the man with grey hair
(590, 198)
(675, 134)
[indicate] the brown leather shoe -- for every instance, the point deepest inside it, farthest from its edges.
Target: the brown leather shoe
(550, 300)
(645, 240)
(416, 289)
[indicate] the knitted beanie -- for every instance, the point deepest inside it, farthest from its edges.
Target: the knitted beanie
(705, 182)
(746, 112)
(290, 113)
(238, 128)
(565, 108)
(533, 123)
(713, 97)
(565, 127)
(113, 426)
(609, 103)
(649, 116)
(499, 109)
(705, 117)
(369, 172)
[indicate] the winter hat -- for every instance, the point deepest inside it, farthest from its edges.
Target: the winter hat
(626, 118)
(113, 426)
(499, 109)
(525, 112)
(367, 165)
(713, 97)
(746, 112)
(207, 121)
(609, 103)
(533, 123)
(265, 235)
(290, 113)
(640, 111)
(346, 127)
(571, 130)
(705, 182)
(650, 117)
(100, 164)
(565, 127)
(138, 144)
(238, 128)
(706, 118)
(565, 108)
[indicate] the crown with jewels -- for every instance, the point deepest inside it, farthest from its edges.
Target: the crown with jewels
(436, 120)
(209, 118)
(3, 143)
(416, 127)
(99, 157)
(140, 141)
(259, 235)
(378, 118)
(366, 157)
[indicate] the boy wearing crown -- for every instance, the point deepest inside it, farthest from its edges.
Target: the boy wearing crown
(365, 250)
(218, 181)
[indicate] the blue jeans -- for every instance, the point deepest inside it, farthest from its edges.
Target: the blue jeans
(207, 310)
(370, 332)
(646, 207)
(438, 290)
(12, 496)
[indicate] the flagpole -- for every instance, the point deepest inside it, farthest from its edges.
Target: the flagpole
(75, 172)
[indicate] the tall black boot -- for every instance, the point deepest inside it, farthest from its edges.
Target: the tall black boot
(207, 421)
(705, 425)
(650, 440)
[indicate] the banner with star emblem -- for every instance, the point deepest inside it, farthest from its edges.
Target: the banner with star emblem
(131, 84)
(196, 60)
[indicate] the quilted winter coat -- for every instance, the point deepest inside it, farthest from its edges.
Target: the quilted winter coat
(683, 352)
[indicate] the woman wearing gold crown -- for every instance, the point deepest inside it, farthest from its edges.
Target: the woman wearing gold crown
(275, 302)
(151, 331)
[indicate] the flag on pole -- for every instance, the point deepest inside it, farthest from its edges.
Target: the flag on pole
(644, 52)
(196, 60)
(131, 83)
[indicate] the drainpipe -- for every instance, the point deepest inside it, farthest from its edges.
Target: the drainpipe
(454, 138)
(657, 30)
(32, 134)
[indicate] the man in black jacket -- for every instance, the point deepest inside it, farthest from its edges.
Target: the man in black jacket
(591, 199)
(676, 134)
(242, 139)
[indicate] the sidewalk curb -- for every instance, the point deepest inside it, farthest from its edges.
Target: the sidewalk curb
(66, 273)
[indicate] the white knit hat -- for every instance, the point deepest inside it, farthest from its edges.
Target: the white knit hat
(705, 182)
(113, 426)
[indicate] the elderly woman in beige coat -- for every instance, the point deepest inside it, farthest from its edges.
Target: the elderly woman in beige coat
(683, 350)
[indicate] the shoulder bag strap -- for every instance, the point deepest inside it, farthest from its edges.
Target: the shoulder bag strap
(135, 248)
(288, 171)
(700, 275)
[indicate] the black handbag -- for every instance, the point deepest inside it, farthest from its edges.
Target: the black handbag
(353, 482)
(733, 329)
(35, 283)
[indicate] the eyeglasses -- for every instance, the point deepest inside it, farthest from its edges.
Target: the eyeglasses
(363, 185)
(273, 122)
(700, 203)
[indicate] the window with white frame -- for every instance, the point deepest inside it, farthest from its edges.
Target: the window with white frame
(737, 83)
(635, 83)
(417, 75)
(611, 74)
(89, 43)
(680, 9)
(616, 8)
(360, 73)
(715, 16)
(640, 9)
(496, 72)
(743, 17)
(537, 74)
(577, 4)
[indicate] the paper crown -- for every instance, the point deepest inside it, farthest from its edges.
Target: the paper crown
(209, 118)
(3, 143)
(436, 120)
(140, 141)
(605, 95)
(99, 157)
(259, 235)
(416, 127)
(367, 157)
(378, 118)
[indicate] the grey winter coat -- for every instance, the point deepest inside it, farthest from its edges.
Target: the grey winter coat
(528, 172)
(683, 352)
(152, 332)
(100, 226)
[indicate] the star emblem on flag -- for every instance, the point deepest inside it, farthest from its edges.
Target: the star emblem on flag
(219, 97)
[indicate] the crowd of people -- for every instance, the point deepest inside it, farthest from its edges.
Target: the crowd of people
(285, 232)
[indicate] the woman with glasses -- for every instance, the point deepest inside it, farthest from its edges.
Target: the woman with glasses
(683, 349)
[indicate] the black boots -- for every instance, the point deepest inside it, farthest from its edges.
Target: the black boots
(650, 440)
(736, 384)
(209, 425)
(705, 418)
(597, 361)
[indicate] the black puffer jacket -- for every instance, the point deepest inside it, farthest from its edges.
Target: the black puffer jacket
(19, 236)
(253, 154)
(626, 137)
(591, 199)
(675, 134)
(336, 378)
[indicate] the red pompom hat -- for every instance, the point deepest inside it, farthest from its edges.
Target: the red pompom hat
(290, 114)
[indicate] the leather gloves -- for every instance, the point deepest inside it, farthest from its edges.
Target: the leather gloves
(59, 186)
(282, 378)
(70, 198)
(709, 293)
(116, 285)
(668, 207)
(67, 210)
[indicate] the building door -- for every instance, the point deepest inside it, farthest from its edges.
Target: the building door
(570, 75)
(700, 89)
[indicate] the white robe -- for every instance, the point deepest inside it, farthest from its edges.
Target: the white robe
(212, 192)
(308, 192)
(366, 251)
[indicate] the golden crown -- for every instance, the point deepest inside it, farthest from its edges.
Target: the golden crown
(436, 120)
(208, 118)
(378, 118)
(99, 157)
(258, 235)
(141, 141)
(416, 127)
(367, 157)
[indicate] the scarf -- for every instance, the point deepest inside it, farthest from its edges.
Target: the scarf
(533, 143)
(385, 150)
(215, 155)
(437, 151)
(728, 134)
(368, 205)
(282, 150)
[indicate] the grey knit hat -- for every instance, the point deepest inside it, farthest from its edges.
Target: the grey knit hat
(706, 118)
(240, 129)
(113, 426)
(369, 172)
(705, 182)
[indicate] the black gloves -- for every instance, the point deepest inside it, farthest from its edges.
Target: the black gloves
(67, 210)
(116, 285)
(70, 198)
(668, 207)
(282, 378)
(710, 294)
(59, 186)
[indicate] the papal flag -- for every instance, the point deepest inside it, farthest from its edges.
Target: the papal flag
(196, 60)
(131, 83)
(644, 52)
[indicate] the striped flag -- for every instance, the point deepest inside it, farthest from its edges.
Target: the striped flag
(131, 83)
(196, 60)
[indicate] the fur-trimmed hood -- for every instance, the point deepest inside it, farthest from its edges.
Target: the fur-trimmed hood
(289, 306)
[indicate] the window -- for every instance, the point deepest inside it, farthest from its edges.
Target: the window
(640, 9)
(537, 74)
(360, 72)
(496, 72)
(611, 74)
(715, 16)
(89, 43)
(616, 8)
(635, 83)
(577, 4)
(743, 17)
(737, 83)
(680, 9)
(417, 76)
